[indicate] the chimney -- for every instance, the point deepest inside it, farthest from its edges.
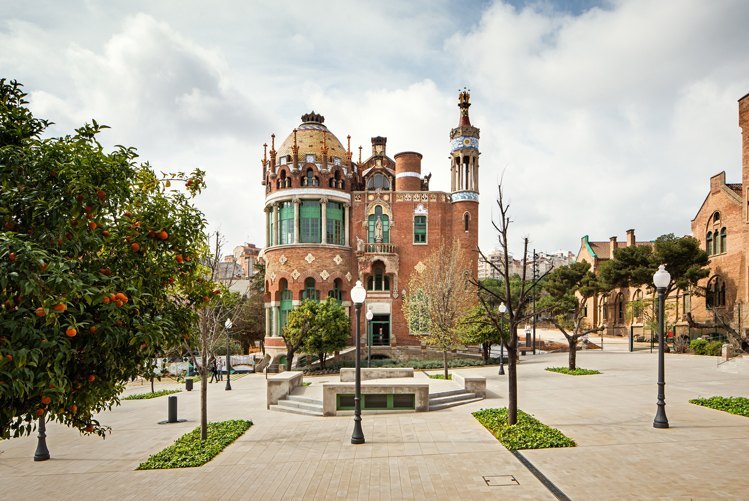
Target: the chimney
(378, 145)
(630, 238)
(612, 247)
(744, 124)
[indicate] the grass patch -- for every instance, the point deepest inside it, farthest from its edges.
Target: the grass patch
(528, 433)
(575, 372)
(734, 405)
(188, 451)
(439, 376)
(306, 383)
(146, 396)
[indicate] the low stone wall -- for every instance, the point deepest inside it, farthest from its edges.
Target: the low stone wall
(280, 385)
(331, 390)
(367, 373)
(472, 384)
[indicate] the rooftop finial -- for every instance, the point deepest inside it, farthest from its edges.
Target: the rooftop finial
(464, 102)
(313, 117)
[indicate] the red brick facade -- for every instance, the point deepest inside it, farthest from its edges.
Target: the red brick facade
(332, 221)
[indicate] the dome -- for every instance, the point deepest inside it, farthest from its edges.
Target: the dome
(309, 138)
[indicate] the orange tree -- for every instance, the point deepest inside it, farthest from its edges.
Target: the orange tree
(96, 253)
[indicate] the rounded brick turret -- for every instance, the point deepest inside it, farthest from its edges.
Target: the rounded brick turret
(408, 171)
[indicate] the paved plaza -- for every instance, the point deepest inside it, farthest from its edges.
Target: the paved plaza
(435, 455)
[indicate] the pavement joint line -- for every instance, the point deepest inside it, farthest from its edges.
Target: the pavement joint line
(556, 491)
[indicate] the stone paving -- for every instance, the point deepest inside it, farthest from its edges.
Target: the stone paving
(434, 455)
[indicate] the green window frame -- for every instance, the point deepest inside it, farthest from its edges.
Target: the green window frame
(286, 223)
(310, 291)
(286, 306)
(271, 228)
(420, 229)
(372, 221)
(336, 292)
(335, 222)
(309, 222)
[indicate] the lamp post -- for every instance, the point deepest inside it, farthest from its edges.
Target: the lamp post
(228, 325)
(358, 295)
(502, 311)
(369, 316)
(661, 279)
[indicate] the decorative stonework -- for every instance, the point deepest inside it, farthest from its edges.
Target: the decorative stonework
(338, 259)
(348, 276)
(282, 259)
(272, 276)
(295, 274)
(420, 267)
(420, 209)
(324, 274)
(309, 258)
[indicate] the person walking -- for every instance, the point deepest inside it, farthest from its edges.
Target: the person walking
(214, 371)
(220, 370)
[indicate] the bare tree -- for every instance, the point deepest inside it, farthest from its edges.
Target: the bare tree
(445, 294)
(517, 295)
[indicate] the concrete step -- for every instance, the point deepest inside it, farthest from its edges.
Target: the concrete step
(446, 393)
(315, 407)
(295, 410)
(436, 407)
(305, 400)
(451, 398)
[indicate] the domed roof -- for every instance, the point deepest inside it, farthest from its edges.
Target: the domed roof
(309, 138)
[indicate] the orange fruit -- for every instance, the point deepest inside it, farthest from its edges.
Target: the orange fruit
(135, 246)
(92, 329)
(73, 408)
(91, 378)
(87, 209)
(60, 307)
(179, 258)
(89, 428)
(12, 257)
(121, 296)
(105, 300)
(46, 400)
(91, 225)
(163, 235)
(39, 412)
(71, 332)
(118, 303)
(40, 312)
(101, 194)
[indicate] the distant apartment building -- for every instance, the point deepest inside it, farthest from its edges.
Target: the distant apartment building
(545, 261)
(237, 269)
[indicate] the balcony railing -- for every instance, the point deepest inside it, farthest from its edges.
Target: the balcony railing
(380, 248)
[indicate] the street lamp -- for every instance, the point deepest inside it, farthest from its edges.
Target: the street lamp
(502, 311)
(661, 279)
(358, 295)
(370, 315)
(228, 325)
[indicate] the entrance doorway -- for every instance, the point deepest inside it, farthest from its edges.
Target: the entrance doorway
(379, 330)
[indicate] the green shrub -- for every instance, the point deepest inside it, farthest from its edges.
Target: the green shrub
(697, 346)
(189, 451)
(701, 346)
(574, 372)
(439, 376)
(714, 348)
(734, 405)
(528, 433)
(146, 396)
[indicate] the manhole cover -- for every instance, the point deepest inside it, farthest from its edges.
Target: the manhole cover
(500, 480)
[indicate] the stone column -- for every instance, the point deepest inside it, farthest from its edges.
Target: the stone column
(346, 211)
(324, 220)
(274, 321)
(268, 220)
(296, 220)
(276, 231)
(267, 321)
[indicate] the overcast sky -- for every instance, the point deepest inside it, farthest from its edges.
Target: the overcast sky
(602, 116)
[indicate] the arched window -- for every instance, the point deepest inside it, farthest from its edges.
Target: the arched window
(715, 295)
(378, 182)
(723, 248)
(309, 290)
(709, 244)
(378, 226)
(310, 179)
(604, 308)
(620, 308)
(337, 291)
(716, 217)
(378, 281)
(466, 221)
(637, 306)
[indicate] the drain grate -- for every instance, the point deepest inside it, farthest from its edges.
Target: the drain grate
(500, 480)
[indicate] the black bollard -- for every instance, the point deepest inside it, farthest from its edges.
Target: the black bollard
(42, 453)
(172, 409)
(188, 384)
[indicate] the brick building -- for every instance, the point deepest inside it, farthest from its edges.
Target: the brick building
(331, 221)
(722, 225)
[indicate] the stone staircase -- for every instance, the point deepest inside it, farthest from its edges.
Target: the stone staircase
(445, 399)
(296, 404)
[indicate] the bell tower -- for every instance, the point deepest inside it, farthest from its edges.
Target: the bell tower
(464, 151)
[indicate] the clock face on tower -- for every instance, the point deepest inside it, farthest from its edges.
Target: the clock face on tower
(464, 142)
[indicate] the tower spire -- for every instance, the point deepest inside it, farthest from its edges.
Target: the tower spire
(464, 102)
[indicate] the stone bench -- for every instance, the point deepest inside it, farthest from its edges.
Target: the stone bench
(348, 374)
(331, 391)
(472, 384)
(280, 385)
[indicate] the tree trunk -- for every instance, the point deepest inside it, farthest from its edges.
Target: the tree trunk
(444, 360)
(245, 344)
(289, 358)
(512, 380)
(485, 347)
(152, 384)
(321, 356)
(573, 353)
(203, 403)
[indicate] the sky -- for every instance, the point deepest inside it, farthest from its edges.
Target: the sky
(597, 116)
